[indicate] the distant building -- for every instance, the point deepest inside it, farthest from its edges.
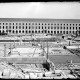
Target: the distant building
(24, 26)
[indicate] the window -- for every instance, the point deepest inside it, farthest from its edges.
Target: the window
(45, 27)
(13, 23)
(16, 23)
(26, 31)
(19, 27)
(23, 27)
(61, 24)
(54, 24)
(79, 24)
(51, 24)
(16, 27)
(64, 27)
(39, 27)
(35, 23)
(26, 27)
(57, 32)
(63, 32)
(13, 31)
(32, 23)
(54, 27)
(70, 27)
(42, 23)
(6, 31)
(69, 31)
(57, 27)
(32, 31)
(3, 23)
(19, 23)
(23, 23)
(16, 31)
(29, 23)
(51, 31)
(48, 27)
(29, 27)
(73, 27)
(3, 31)
(32, 27)
(51, 27)
(42, 27)
(76, 27)
(3, 27)
(73, 24)
(39, 23)
(9, 31)
(45, 31)
(6, 23)
(54, 32)
(73, 32)
(35, 31)
(9, 23)
(76, 24)
(66, 32)
(6, 27)
(26, 23)
(13, 27)
(38, 31)
(48, 24)
(23, 31)
(36, 27)
(61, 27)
(48, 31)
(9, 27)
(70, 24)
(60, 31)
(67, 27)
(42, 31)
(0, 23)
(19, 31)
(45, 23)
(79, 27)
(29, 31)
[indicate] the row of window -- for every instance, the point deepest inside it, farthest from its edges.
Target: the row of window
(36, 27)
(55, 32)
(39, 24)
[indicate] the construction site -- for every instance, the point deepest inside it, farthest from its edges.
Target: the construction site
(29, 57)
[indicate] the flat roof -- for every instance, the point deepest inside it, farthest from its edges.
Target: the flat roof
(39, 20)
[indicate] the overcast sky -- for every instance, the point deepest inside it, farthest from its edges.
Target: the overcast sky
(55, 10)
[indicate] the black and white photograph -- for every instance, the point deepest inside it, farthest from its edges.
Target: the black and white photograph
(40, 40)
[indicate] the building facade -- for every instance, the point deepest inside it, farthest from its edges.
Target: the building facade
(24, 26)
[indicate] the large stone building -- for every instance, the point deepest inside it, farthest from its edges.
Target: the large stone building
(23, 26)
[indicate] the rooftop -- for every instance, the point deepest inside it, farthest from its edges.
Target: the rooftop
(39, 20)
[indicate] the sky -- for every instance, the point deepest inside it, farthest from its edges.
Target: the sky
(53, 10)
